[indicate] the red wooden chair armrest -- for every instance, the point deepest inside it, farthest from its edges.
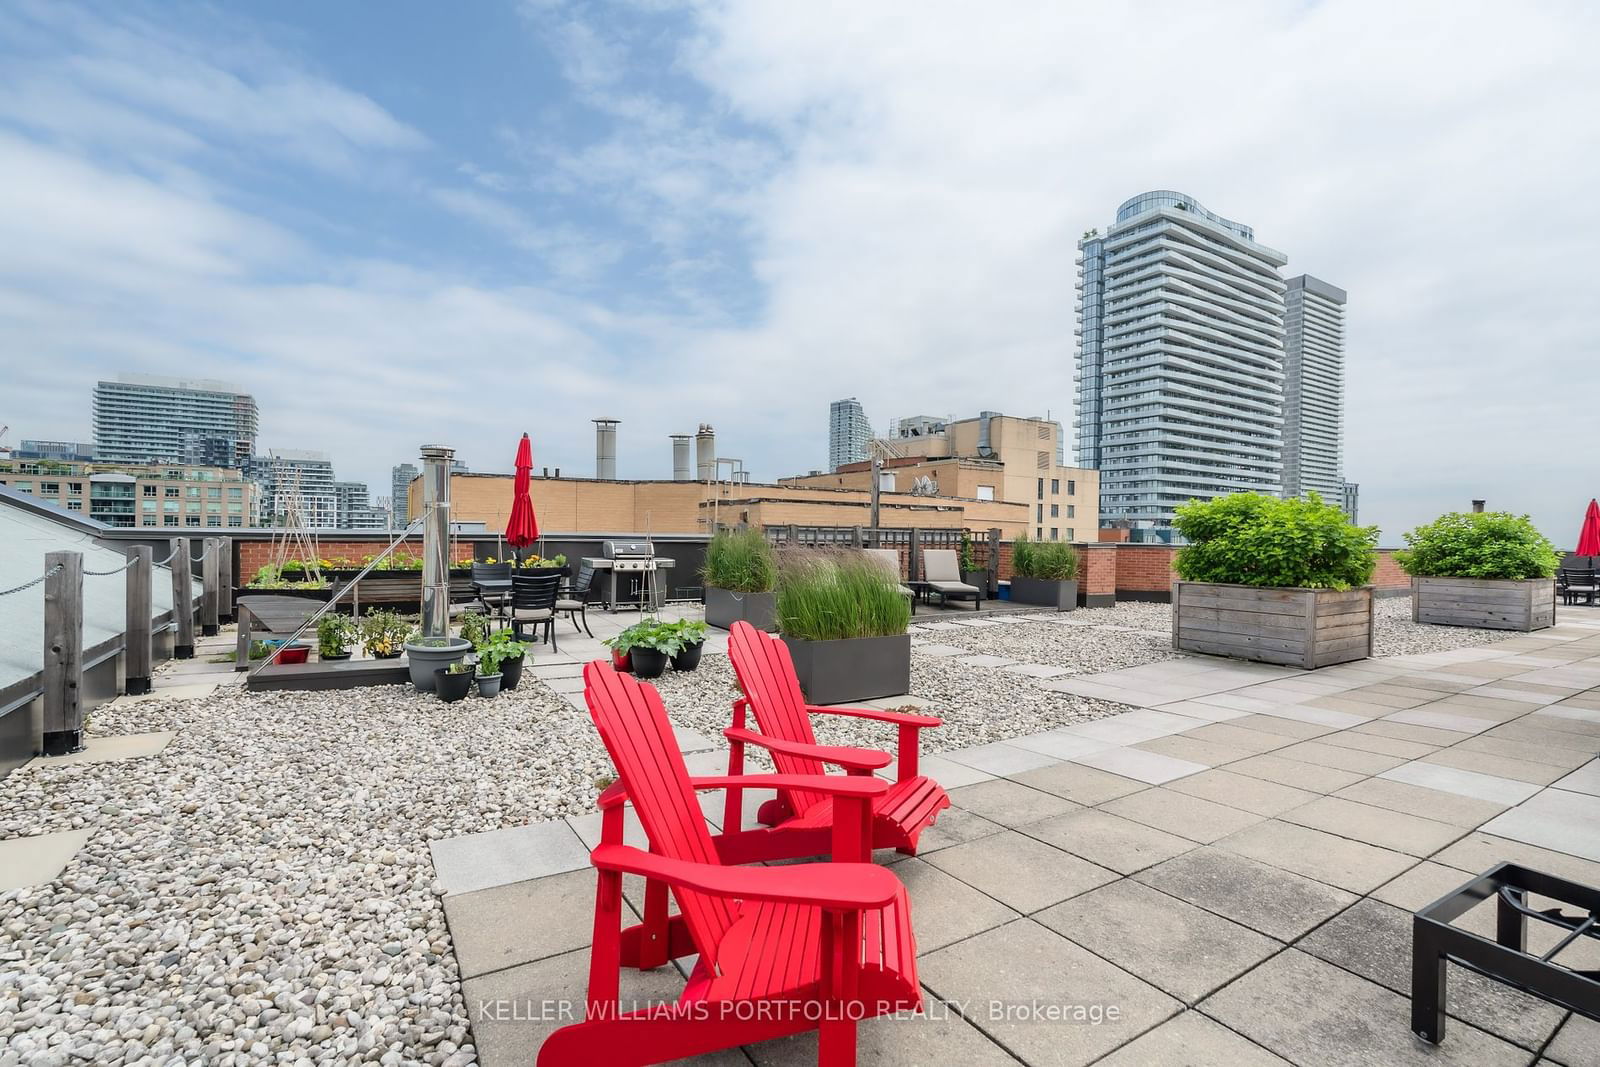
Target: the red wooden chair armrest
(862, 759)
(839, 785)
(899, 718)
(612, 796)
(840, 886)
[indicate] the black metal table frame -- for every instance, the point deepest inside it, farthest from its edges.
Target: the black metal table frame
(1434, 942)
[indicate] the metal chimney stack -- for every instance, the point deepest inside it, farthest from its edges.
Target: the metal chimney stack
(436, 540)
(1477, 505)
(705, 453)
(605, 449)
(680, 457)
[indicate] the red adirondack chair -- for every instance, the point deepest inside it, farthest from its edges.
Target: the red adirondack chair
(772, 691)
(782, 949)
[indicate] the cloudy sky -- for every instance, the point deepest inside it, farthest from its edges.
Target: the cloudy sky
(403, 223)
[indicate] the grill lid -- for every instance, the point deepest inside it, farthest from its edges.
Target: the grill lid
(628, 550)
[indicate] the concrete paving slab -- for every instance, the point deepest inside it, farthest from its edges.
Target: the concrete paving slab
(1075, 782)
(1059, 744)
(1195, 749)
(1150, 767)
(1479, 851)
(953, 827)
(1351, 865)
(1555, 755)
(1394, 830)
(1337, 720)
(1465, 812)
(38, 859)
(1024, 963)
(1237, 736)
(1275, 768)
(1554, 819)
(1010, 803)
(939, 1036)
(1181, 949)
(1267, 899)
(1465, 783)
(946, 772)
(1134, 726)
(1326, 1016)
(1109, 840)
(1444, 720)
(1201, 821)
(984, 661)
(1288, 727)
(521, 922)
(942, 651)
(1373, 939)
(109, 748)
(945, 909)
(1324, 754)
(1241, 791)
(500, 857)
(998, 758)
(1385, 746)
(186, 691)
(1423, 884)
(1035, 670)
(1518, 770)
(1021, 872)
(1192, 1040)
(1194, 709)
(1577, 1044)
(1584, 780)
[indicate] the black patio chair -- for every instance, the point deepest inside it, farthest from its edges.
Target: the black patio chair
(1572, 584)
(533, 600)
(573, 598)
(492, 582)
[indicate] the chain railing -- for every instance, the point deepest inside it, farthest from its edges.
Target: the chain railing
(115, 570)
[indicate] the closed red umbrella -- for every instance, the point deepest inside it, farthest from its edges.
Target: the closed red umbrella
(1589, 537)
(522, 529)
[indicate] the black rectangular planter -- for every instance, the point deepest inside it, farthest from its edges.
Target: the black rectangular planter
(856, 668)
(724, 607)
(1063, 596)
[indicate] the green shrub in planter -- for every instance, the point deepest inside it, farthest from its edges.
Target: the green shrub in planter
(1251, 539)
(830, 596)
(740, 561)
(1053, 561)
(336, 634)
(1489, 544)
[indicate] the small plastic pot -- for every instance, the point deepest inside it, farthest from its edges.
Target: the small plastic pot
(510, 673)
(689, 657)
(648, 662)
(451, 687)
(291, 654)
(326, 658)
(489, 684)
(620, 660)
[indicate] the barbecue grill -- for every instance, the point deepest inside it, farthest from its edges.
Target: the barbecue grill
(640, 567)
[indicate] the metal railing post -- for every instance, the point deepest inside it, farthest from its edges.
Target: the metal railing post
(63, 653)
(137, 652)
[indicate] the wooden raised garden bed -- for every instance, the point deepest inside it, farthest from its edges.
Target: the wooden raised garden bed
(1306, 628)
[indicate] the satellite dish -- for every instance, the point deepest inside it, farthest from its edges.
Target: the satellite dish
(924, 486)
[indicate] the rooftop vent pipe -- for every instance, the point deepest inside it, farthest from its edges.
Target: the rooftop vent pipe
(605, 449)
(680, 458)
(705, 453)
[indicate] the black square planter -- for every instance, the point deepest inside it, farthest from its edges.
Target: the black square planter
(724, 607)
(856, 668)
(1046, 592)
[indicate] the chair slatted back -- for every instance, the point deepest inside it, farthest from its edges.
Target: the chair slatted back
(581, 584)
(633, 726)
(491, 572)
(765, 671)
(529, 592)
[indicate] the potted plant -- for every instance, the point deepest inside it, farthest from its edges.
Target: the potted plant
(971, 573)
(844, 620)
(739, 573)
(649, 647)
(1489, 569)
(452, 682)
(690, 635)
(1045, 573)
(335, 636)
(489, 675)
(425, 655)
(511, 652)
(1280, 581)
(619, 646)
(287, 653)
(383, 634)
(474, 627)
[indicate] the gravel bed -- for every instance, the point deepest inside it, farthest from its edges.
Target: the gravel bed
(262, 890)
(1394, 634)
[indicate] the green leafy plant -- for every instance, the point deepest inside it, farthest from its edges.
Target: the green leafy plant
(383, 633)
(489, 659)
(625, 640)
(1489, 544)
(741, 561)
(459, 667)
(335, 634)
(474, 627)
(828, 596)
(1251, 539)
(1054, 561)
(969, 560)
(503, 647)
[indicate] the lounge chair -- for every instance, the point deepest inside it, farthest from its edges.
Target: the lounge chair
(766, 676)
(782, 950)
(941, 571)
(890, 558)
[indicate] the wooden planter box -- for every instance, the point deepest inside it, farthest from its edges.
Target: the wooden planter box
(858, 668)
(1493, 604)
(1063, 596)
(1306, 628)
(724, 607)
